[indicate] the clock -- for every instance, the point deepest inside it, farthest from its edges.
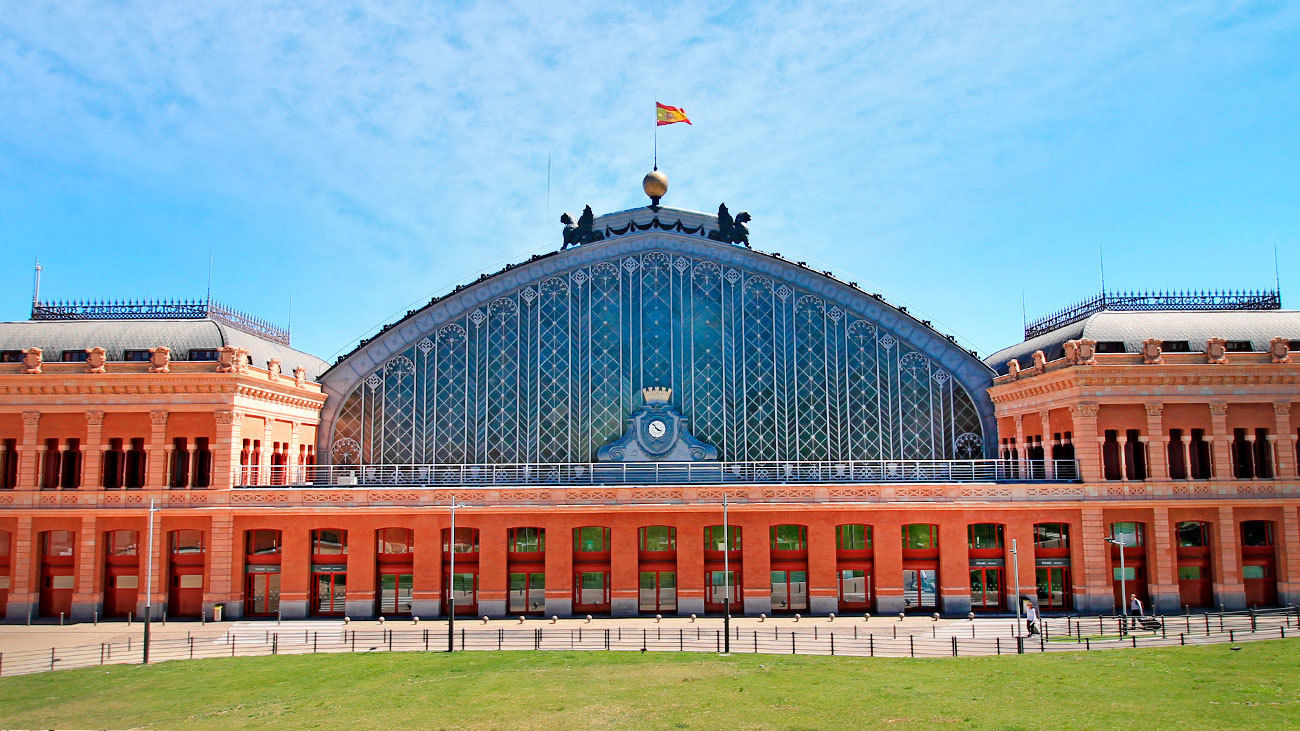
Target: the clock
(656, 428)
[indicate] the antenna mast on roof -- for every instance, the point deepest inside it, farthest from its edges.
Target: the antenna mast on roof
(36, 286)
(1101, 263)
(208, 297)
(1277, 277)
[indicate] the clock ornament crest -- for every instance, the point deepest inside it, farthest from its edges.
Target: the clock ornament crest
(656, 433)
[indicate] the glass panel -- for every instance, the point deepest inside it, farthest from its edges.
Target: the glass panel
(126, 581)
(1052, 535)
(1189, 573)
(1044, 583)
(1130, 534)
(187, 541)
(329, 542)
(592, 587)
(462, 589)
(58, 543)
(466, 540)
(272, 592)
(1191, 535)
(854, 537)
(714, 537)
(591, 539)
(405, 585)
(667, 591)
(658, 538)
(722, 586)
(648, 595)
(1253, 572)
(799, 591)
(518, 593)
(396, 540)
(992, 588)
(985, 535)
(387, 593)
(977, 587)
(122, 543)
(537, 592)
(788, 538)
(1130, 573)
(527, 540)
(263, 542)
(929, 588)
(911, 588)
(853, 585)
(780, 590)
(1256, 533)
(191, 581)
(918, 536)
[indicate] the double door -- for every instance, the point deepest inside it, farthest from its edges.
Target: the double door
(395, 592)
(657, 593)
(263, 594)
(527, 592)
(121, 590)
(329, 593)
(920, 588)
(986, 588)
(57, 583)
(591, 591)
(185, 591)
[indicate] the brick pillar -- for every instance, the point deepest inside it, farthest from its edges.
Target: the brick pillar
(492, 564)
(160, 566)
(1288, 565)
(156, 467)
(264, 454)
(1158, 454)
(1020, 529)
(1098, 580)
(823, 589)
(1229, 587)
(295, 571)
(92, 451)
(1164, 555)
(1021, 450)
(360, 602)
(29, 476)
(1083, 418)
(954, 564)
(426, 597)
(887, 566)
(293, 470)
(690, 563)
(87, 594)
(225, 450)
(1045, 424)
(23, 591)
(225, 580)
(1221, 448)
(559, 567)
(756, 557)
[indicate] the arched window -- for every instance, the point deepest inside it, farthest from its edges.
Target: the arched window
(395, 541)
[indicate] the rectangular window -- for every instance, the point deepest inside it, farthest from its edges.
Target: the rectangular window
(1110, 346)
(790, 591)
(1130, 534)
(1189, 573)
(1257, 533)
(658, 538)
(58, 543)
(203, 354)
(853, 537)
(1051, 535)
(187, 541)
(395, 593)
(920, 537)
(1129, 573)
(396, 541)
(466, 540)
(329, 542)
(122, 543)
(592, 588)
(789, 537)
(11, 356)
(591, 539)
(1192, 534)
(135, 356)
(985, 535)
(1254, 572)
(74, 356)
(126, 581)
(527, 540)
(1238, 346)
(721, 586)
(1176, 346)
(263, 542)
(716, 539)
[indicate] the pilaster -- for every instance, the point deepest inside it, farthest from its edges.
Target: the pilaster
(1098, 594)
(24, 590)
(1164, 582)
(1284, 453)
(360, 602)
(559, 568)
(690, 565)
(1020, 529)
(264, 454)
(823, 589)
(156, 468)
(756, 553)
(28, 458)
(954, 565)
(1221, 447)
(224, 583)
(1229, 587)
(1083, 418)
(1288, 572)
(293, 468)
(1158, 454)
(92, 451)
(225, 449)
(86, 597)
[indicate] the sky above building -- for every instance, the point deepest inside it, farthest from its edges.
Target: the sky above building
(357, 159)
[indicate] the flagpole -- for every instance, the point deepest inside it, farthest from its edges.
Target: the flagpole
(656, 134)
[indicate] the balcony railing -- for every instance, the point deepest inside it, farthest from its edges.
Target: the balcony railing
(663, 473)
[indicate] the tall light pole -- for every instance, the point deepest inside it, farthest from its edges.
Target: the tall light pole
(726, 578)
(148, 584)
(1123, 593)
(451, 581)
(1015, 570)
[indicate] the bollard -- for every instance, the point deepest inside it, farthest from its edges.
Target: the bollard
(692, 618)
(796, 617)
(866, 616)
(830, 617)
(279, 614)
(415, 620)
(381, 620)
(589, 618)
(94, 617)
(554, 619)
(658, 617)
(895, 628)
(900, 616)
(762, 617)
(832, 644)
(1020, 645)
(60, 621)
(1182, 640)
(954, 645)
(871, 645)
(911, 646)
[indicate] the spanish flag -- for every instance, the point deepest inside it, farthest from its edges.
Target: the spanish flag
(665, 114)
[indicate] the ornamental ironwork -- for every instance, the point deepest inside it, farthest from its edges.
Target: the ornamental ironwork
(1261, 299)
(763, 369)
(159, 309)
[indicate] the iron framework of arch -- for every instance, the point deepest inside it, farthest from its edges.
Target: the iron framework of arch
(765, 360)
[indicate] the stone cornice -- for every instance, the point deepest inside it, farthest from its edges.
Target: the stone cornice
(1178, 378)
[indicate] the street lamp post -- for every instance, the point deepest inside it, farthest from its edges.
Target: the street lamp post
(148, 584)
(1123, 593)
(1015, 571)
(451, 581)
(726, 578)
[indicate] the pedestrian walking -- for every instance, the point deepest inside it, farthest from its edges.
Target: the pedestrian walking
(1134, 610)
(1031, 618)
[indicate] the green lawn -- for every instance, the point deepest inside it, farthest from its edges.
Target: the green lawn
(1205, 687)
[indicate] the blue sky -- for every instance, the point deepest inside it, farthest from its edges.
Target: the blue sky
(362, 158)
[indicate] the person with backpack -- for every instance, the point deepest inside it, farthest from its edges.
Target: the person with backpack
(1031, 618)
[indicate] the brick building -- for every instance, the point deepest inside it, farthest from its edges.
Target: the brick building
(588, 409)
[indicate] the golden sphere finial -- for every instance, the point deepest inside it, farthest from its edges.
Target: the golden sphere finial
(655, 185)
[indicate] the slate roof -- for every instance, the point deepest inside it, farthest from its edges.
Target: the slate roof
(182, 336)
(1132, 328)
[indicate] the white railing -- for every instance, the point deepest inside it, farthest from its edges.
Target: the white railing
(663, 473)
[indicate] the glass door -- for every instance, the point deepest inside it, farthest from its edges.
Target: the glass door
(855, 588)
(395, 593)
(789, 591)
(591, 592)
(986, 588)
(330, 593)
(263, 594)
(527, 593)
(1052, 591)
(919, 588)
(716, 585)
(658, 592)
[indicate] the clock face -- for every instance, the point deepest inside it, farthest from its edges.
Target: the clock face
(656, 428)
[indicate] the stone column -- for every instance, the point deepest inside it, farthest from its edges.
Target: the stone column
(1123, 454)
(1288, 571)
(1048, 441)
(24, 590)
(1221, 447)
(87, 594)
(887, 563)
(63, 450)
(1083, 422)
(360, 602)
(156, 467)
(1229, 587)
(28, 455)
(1158, 455)
(1021, 453)
(1164, 582)
(823, 587)
(1099, 594)
(559, 567)
(92, 451)
(169, 464)
(225, 580)
(954, 564)
(493, 563)
(225, 450)
(1252, 468)
(293, 469)
(191, 463)
(1186, 439)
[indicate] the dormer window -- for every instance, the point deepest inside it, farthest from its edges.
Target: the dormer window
(1110, 346)
(1238, 346)
(203, 355)
(1176, 346)
(74, 356)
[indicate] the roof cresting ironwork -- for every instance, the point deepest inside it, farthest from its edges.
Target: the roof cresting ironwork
(1137, 301)
(158, 309)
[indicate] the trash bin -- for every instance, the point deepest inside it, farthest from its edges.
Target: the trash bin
(217, 611)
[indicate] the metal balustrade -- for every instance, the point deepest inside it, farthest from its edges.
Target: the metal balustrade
(662, 473)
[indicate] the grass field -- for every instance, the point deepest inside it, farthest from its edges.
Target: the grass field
(1206, 687)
